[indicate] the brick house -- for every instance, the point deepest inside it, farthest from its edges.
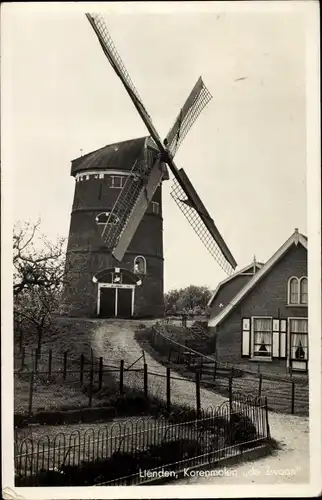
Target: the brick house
(260, 314)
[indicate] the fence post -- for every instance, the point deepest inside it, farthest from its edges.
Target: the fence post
(31, 387)
(169, 355)
(267, 422)
(168, 390)
(90, 392)
(50, 356)
(22, 358)
(260, 385)
(81, 369)
(230, 389)
(145, 380)
(215, 370)
(293, 397)
(100, 374)
(121, 375)
(198, 401)
(188, 359)
(65, 365)
(36, 360)
(20, 338)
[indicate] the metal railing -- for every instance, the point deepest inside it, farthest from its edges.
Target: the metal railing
(116, 453)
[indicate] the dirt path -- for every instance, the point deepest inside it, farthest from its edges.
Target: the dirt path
(288, 465)
(115, 341)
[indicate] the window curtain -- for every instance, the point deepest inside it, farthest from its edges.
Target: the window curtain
(262, 336)
(299, 326)
(299, 341)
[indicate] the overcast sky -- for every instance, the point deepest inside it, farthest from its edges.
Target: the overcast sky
(246, 154)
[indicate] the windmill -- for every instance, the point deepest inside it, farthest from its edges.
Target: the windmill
(150, 169)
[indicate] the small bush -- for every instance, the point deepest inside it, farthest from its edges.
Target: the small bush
(242, 429)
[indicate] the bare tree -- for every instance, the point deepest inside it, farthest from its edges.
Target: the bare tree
(39, 275)
(41, 264)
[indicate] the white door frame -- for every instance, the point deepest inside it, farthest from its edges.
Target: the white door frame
(113, 285)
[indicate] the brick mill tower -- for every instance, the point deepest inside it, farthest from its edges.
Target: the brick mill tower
(99, 284)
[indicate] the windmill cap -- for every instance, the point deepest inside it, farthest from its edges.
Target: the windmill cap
(116, 156)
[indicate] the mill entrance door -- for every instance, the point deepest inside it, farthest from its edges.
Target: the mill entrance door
(115, 301)
(124, 302)
(107, 302)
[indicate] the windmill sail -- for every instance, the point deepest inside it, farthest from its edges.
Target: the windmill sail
(131, 203)
(197, 100)
(98, 24)
(139, 200)
(201, 222)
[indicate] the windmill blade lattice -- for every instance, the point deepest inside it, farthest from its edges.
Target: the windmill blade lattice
(98, 23)
(197, 100)
(200, 228)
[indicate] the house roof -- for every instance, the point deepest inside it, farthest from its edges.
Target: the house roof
(295, 239)
(116, 156)
(245, 270)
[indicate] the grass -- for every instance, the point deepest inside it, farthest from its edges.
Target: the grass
(67, 334)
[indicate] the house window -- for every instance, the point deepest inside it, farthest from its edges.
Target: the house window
(262, 338)
(297, 291)
(293, 291)
(299, 338)
(117, 181)
(155, 207)
(106, 217)
(303, 290)
(140, 265)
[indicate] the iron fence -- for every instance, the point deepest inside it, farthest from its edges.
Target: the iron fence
(116, 454)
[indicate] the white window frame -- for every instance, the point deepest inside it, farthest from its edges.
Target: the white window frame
(103, 223)
(135, 262)
(252, 354)
(290, 336)
(300, 291)
(120, 178)
(155, 207)
(298, 302)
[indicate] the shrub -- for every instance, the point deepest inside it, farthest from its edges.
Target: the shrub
(242, 429)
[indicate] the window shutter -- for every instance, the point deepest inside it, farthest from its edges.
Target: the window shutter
(276, 338)
(283, 338)
(245, 336)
